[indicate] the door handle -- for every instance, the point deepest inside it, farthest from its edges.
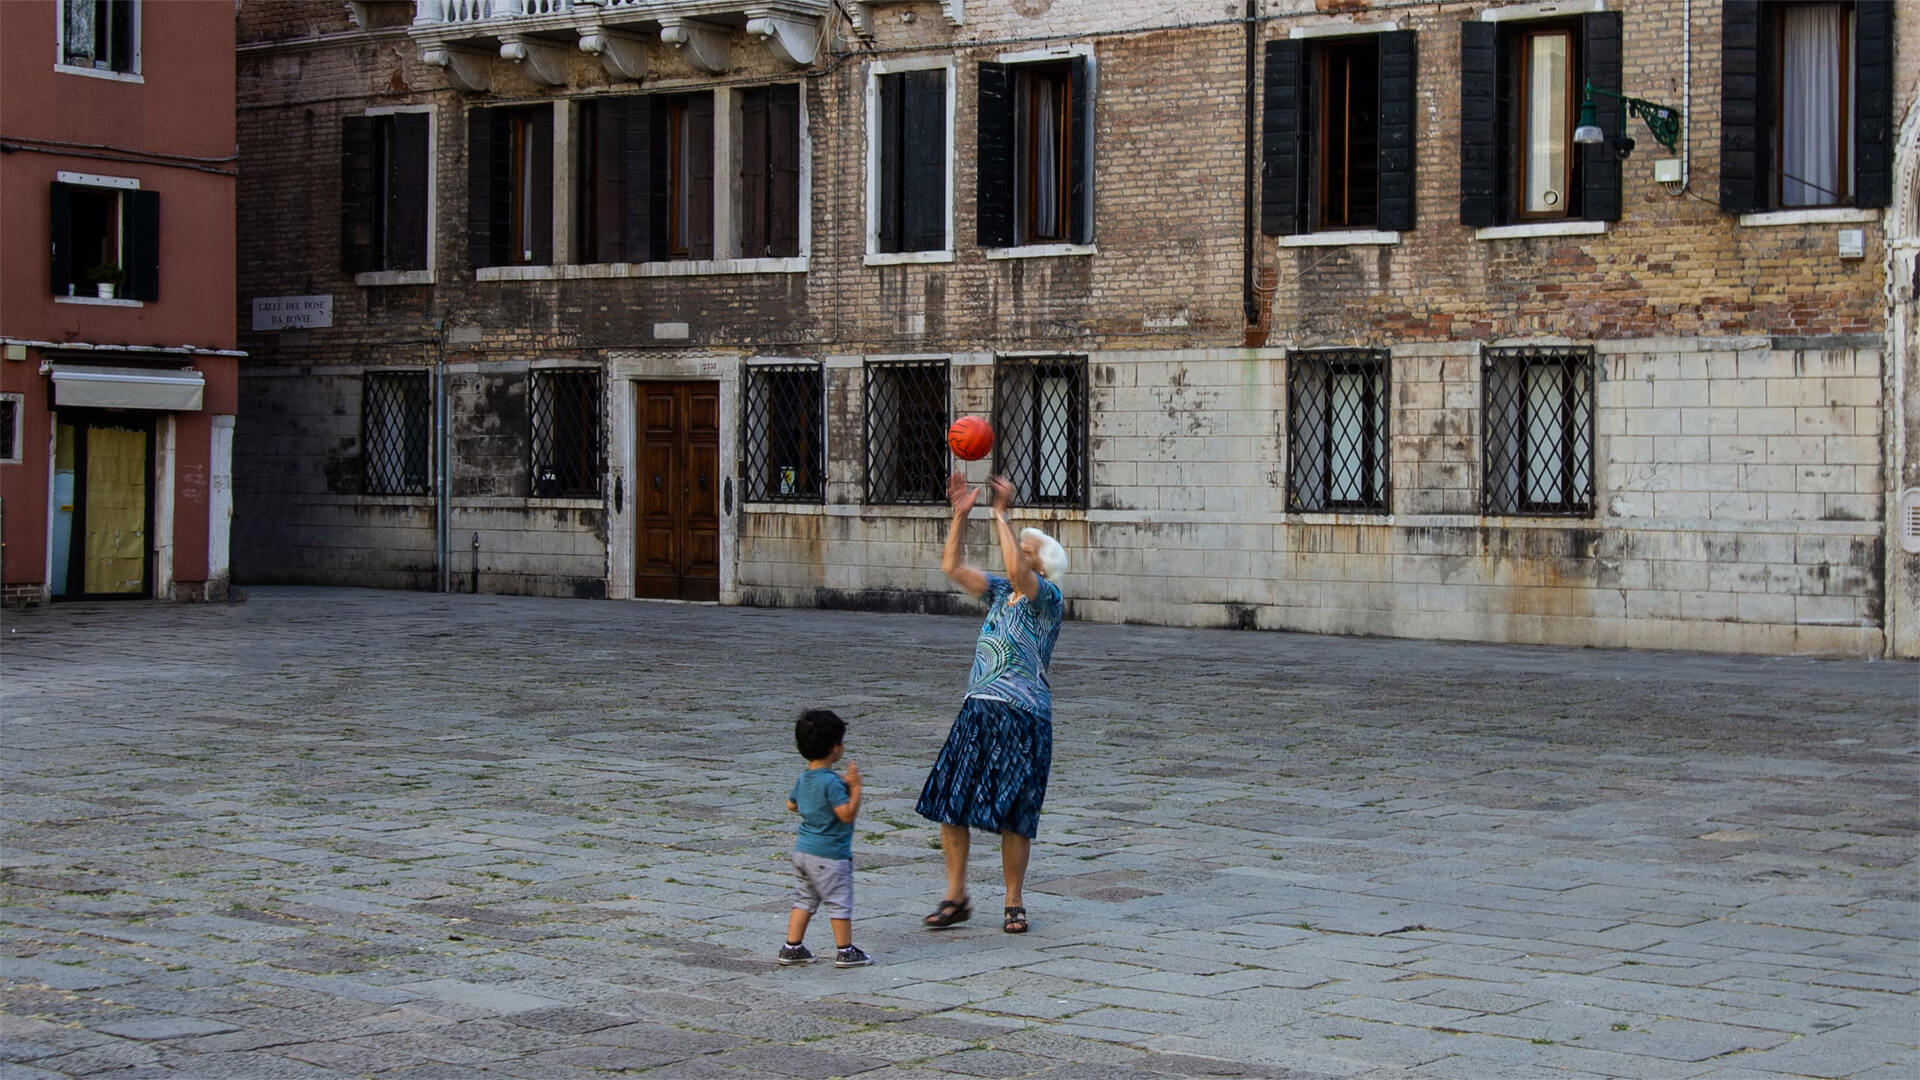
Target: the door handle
(659, 481)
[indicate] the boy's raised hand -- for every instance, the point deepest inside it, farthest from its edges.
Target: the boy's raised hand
(853, 774)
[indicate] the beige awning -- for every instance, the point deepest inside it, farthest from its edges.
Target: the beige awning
(83, 386)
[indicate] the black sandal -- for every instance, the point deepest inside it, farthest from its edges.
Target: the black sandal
(1016, 921)
(949, 912)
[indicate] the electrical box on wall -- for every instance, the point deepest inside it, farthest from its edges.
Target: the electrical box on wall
(1667, 170)
(1853, 243)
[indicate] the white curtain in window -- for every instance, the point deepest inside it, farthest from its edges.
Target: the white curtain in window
(1546, 434)
(1349, 408)
(1056, 426)
(1810, 105)
(1046, 148)
(1546, 92)
(80, 32)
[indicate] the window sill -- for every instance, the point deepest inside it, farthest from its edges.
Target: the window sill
(901, 258)
(1341, 517)
(528, 502)
(94, 301)
(1344, 238)
(100, 73)
(1543, 228)
(1826, 215)
(1041, 251)
(372, 278)
(763, 507)
(680, 268)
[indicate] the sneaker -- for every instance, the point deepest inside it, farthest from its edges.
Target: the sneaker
(851, 956)
(795, 954)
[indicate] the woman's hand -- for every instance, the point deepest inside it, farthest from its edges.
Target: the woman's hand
(1002, 493)
(961, 494)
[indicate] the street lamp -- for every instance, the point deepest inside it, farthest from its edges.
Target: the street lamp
(1662, 121)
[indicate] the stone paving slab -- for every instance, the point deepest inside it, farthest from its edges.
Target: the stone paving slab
(332, 833)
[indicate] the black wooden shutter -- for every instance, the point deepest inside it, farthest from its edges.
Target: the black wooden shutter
(699, 151)
(1399, 113)
(1745, 121)
(924, 188)
(484, 242)
(1479, 123)
(637, 206)
(783, 170)
(1599, 165)
(357, 253)
(141, 257)
(755, 148)
(1080, 153)
(407, 222)
(609, 178)
(60, 220)
(659, 190)
(892, 171)
(1873, 108)
(996, 161)
(541, 137)
(1282, 132)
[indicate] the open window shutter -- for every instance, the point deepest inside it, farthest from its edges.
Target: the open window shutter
(1744, 111)
(637, 205)
(1080, 154)
(1399, 73)
(755, 148)
(924, 190)
(1479, 123)
(407, 222)
(609, 178)
(357, 253)
(783, 172)
(542, 193)
(1283, 127)
(659, 156)
(481, 241)
(1599, 166)
(892, 106)
(1873, 108)
(993, 191)
(700, 165)
(141, 256)
(60, 219)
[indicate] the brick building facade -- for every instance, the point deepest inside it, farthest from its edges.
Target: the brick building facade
(1318, 320)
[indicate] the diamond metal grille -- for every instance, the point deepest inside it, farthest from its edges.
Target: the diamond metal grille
(396, 421)
(1337, 430)
(782, 420)
(564, 413)
(1040, 429)
(907, 418)
(1538, 406)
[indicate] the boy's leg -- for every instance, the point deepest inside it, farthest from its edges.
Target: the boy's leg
(1014, 852)
(954, 840)
(797, 921)
(842, 932)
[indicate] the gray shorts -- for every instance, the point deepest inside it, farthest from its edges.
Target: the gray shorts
(823, 883)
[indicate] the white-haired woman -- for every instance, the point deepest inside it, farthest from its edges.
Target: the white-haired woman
(991, 774)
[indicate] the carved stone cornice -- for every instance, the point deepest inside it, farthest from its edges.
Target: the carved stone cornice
(545, 62)
(623, 55)
(794, 40)
(706, 47)
(467, 69)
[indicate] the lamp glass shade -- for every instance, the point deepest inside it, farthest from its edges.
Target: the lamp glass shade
(1588, 132)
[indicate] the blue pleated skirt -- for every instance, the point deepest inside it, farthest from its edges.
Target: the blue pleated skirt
(992, 772)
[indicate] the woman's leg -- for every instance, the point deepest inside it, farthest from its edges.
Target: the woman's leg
(954, 841)
(1014, 850)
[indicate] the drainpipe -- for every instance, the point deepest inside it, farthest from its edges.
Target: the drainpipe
(442, 475)
(1249, 302)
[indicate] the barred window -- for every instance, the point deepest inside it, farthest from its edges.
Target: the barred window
(1337, 435)
(783, 425)
(564, 413)
(1538, 405)
(1040, 429)
(396, 421)
(907, 418)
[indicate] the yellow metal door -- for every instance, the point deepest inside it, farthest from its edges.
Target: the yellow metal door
(116, 511)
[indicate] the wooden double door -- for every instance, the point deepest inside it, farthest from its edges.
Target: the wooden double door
(677, 492)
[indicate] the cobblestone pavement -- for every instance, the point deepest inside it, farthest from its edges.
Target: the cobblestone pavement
(330, 833)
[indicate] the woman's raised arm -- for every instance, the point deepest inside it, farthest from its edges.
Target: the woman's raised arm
(1019, 574)
(952, 562)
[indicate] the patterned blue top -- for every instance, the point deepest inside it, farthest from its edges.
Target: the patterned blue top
(822, 833)
(1015, 646)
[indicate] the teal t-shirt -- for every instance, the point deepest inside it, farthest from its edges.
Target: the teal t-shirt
(822, 834)
(1015, 646)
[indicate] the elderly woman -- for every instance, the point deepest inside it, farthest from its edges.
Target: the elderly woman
(992, 772)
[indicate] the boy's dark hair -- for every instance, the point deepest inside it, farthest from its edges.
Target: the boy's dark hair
(817, 732)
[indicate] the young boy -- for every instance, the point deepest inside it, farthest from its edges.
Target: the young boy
(823, 851)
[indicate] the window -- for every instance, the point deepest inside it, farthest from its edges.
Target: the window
(1806, 105)
(785, 433)
(1337, 435)
(910, 200)
(385, 164)
(643, 187)
(106, 231)
(1538, 413)
(564, 422)
(10, 433)
(395, 421)
(1040, 428)
(907, 418)
(510, 186)
(769, 171)
(1036, 153)
(100, 34)
(1521, 84)
(1338, 134)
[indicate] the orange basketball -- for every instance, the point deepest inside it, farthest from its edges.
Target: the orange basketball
(970, 438)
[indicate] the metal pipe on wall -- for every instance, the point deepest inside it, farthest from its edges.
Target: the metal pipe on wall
(1249, 302)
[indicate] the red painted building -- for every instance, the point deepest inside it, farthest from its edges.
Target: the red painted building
(118, 380)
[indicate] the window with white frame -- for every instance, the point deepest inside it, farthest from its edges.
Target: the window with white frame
(907, 418)
(386, 185)
(106, 238)
(909, 174)
(1338, 134)
(11, 422)
(396, 425)
(1040, 426)
(1537, 416)
(1036, 152)
(510, 185)
(100, 35)
(783, 426)
(1337, 430)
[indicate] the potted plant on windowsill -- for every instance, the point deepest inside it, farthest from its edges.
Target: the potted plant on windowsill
(105, 277)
